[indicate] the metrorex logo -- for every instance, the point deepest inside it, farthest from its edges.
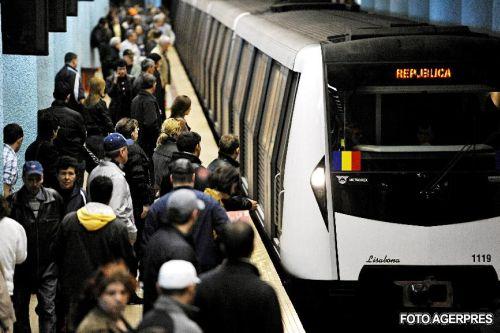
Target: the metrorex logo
(342, 179)
(347, 179)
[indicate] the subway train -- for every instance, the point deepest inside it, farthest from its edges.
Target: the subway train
(370, 142)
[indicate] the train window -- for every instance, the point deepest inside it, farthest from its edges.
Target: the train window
(437, 119)
(207, 32)
(209, 59)
(422, 154)
(224, 58)
(229, 84)
(198, 44)
(273, 113)
(213, 74)
(241, 87)
(190, 36)
(251, 120)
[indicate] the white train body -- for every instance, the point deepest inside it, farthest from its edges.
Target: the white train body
(337, 243)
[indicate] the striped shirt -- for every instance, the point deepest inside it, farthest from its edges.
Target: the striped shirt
(9, 165)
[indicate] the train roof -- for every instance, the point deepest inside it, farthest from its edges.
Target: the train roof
(282, 34)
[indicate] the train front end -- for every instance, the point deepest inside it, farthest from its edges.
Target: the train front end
(413, 127)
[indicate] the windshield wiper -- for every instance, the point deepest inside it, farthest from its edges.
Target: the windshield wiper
(428, 190)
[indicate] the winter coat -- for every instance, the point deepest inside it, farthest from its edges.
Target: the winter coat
(161, 160)
(121, 200)
(45, 152)
(72, 132)
(96, 321)
(41, 231)
(97, 119)
(137, 86)
(233, 291)
(71, 77)
(223, 160)
(100, 36)
(138, 175)
(166, 244)
(121, 96)
(168, 313)
(89, 238)
(146, 111)
(212, 219)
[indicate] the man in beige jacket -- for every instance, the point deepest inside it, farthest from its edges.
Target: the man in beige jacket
(161, 49)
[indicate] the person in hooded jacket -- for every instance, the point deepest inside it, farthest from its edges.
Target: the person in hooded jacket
(89, 238)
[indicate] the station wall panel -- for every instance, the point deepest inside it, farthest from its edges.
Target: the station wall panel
(482, 15)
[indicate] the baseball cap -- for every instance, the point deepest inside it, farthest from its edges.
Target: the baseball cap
(177, 274)
(114, 141)
(184, 202)
(181, 166)
(32, 167)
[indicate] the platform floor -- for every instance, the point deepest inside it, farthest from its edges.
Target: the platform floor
(260, 257)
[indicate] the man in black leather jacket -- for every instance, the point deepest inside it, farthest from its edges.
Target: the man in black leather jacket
(40, 211)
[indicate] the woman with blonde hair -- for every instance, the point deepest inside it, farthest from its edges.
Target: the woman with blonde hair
(166, 145)
(95, 112)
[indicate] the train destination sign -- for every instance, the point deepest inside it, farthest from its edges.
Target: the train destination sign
(425, 73)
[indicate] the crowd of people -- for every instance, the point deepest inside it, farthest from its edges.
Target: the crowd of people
(114, 196)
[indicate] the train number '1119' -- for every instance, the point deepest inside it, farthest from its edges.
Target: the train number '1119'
(481, 258)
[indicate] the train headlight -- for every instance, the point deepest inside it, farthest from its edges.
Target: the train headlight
(318, 185)
(318, 177)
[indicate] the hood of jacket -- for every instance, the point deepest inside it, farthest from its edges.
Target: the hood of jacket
(94, 216)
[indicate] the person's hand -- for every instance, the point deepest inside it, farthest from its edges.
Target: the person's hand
(255, 204)
(115, 78)
(145, 210)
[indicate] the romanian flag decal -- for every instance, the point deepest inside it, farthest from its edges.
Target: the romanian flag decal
(346, 161)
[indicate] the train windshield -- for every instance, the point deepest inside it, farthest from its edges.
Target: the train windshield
(417, 121)
(420, 157)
